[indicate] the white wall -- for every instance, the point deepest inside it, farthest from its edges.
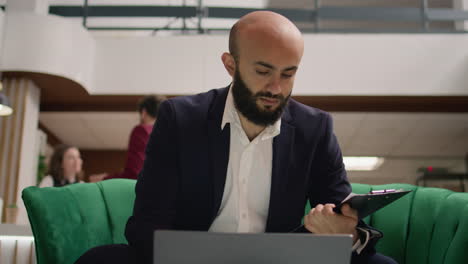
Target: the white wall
(385, 64)
(141, 65)
(48, 44)
(333, 64)
(2, 24)
(346, 64)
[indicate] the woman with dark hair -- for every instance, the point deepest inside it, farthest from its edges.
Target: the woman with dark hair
(64, 167)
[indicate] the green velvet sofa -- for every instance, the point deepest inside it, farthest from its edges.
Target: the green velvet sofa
(429, 225)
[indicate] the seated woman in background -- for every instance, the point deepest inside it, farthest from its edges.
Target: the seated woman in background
(64, 167)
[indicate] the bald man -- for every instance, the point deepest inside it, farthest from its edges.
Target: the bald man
(245, 158)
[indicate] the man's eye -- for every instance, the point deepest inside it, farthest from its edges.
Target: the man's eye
(262, 72)
(286, 75)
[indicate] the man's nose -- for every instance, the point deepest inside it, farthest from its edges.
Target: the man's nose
(274, 86)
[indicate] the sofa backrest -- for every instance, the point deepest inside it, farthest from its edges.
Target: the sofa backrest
(69, 220)
(439, 227)
(429, 225)
(119, 196)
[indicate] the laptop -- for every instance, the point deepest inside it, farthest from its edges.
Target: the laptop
(195, 247)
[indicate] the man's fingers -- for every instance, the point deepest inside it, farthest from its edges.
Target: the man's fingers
(318, 209)
(328, 209)
(308, 221)
(346, 210)
(323, 220)
(323, 209)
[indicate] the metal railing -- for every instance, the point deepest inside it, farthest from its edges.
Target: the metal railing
(422, 15)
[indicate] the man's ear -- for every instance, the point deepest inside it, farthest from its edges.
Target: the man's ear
(229, 63)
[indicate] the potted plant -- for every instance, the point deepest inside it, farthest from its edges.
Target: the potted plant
(41, 168)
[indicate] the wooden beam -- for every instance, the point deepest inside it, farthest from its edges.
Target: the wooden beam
(442, 104)
(59, 94)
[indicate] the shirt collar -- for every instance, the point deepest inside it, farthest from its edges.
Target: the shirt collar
(231, 116)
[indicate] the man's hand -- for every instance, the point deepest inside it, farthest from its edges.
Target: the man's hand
(323, 220)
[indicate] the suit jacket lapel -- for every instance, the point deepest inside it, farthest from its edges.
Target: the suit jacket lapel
(219, 141)
(283, 146)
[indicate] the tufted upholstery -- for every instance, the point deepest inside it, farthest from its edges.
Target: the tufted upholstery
(429, 225)
(69, 220)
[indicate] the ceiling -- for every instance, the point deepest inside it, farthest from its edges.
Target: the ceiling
(407, 141)
(91, 130)
(362, 134)
(402, 134)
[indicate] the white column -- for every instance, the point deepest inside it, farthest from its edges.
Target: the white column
(29, 152)
(18, 148)
(461, 5)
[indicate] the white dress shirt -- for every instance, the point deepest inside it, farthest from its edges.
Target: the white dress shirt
(246, 197)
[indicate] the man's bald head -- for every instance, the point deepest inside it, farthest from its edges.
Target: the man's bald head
(269, 24)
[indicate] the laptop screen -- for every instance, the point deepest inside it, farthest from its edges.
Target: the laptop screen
(195, 247)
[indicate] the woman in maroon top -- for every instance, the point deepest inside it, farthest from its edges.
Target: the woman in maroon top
(148, 109)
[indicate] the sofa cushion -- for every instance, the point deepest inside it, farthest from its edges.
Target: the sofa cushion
(119, 196)
(449, 243)
(71, 216)
(426, 207)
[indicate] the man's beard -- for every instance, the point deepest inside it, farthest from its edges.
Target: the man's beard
(246, 103)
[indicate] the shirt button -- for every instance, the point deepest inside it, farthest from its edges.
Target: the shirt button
(244, 181)
(244, 215)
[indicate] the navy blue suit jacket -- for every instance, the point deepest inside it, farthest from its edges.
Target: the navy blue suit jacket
(182, 182)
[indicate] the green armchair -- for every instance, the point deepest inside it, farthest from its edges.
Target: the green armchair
(67, 221)
(429, 225)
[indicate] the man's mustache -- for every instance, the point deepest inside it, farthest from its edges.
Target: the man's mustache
(270, 95)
